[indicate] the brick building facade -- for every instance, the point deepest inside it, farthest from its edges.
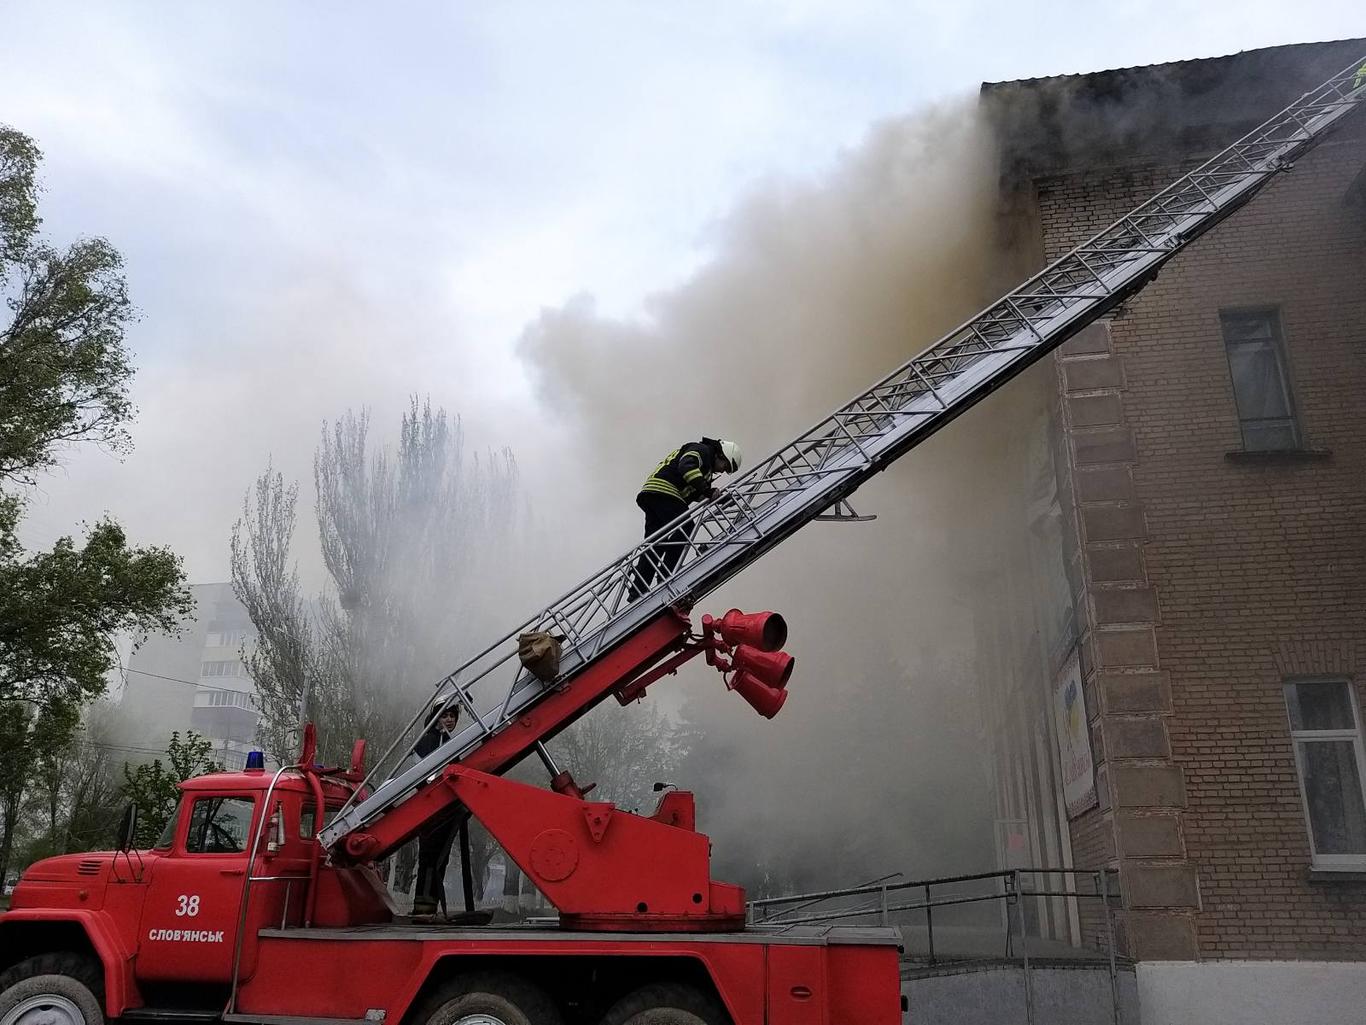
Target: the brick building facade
(1211, 454)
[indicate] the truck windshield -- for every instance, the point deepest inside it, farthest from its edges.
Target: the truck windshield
(168, 831)
(219, 825)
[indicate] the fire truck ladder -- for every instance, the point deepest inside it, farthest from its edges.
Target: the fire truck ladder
(812, 477)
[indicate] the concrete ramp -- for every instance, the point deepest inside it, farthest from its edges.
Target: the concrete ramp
(1004, 993)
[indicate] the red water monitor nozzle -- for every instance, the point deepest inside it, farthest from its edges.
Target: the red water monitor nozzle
(758, 670)
(766, 631)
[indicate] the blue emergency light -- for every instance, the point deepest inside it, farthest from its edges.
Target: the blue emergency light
(255, 760)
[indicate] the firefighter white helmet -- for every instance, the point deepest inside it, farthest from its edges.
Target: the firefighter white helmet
(732, 453)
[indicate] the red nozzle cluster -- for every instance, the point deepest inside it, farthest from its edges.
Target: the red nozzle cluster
(760, 668)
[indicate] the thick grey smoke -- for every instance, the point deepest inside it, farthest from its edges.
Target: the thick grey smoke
(877, 762)
(814, 290)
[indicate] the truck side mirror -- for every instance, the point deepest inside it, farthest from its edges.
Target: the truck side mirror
(277, 831)
(128, 828)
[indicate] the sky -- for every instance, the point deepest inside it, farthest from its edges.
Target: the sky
(324, 206)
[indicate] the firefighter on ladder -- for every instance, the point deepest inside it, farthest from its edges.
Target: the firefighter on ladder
(683, 476)
(434, 842)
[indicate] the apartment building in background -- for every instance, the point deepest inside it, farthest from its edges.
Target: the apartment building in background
(197, 681)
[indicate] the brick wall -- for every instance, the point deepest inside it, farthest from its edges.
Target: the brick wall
(1206, 579)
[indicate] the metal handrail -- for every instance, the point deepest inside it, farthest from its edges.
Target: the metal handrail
(1011, 896)
(851, 891)
(248, 878)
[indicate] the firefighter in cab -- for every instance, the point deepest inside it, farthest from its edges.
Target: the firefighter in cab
(682, 477)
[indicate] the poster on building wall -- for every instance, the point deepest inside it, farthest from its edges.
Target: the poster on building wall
(1074, 739)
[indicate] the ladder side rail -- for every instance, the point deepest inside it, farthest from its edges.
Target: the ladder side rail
(1075, 293)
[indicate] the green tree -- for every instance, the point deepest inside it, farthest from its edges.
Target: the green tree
(155, 786)
(29, 736)
(94, 798)
(400, 532)
(75, 790)
(287, 664)
(61, 609)
(18, 193)
(64, 372)
(64, 369)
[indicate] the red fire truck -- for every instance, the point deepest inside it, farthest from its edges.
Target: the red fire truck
(238, 913)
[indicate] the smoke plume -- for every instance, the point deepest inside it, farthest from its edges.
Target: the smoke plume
(815, 290)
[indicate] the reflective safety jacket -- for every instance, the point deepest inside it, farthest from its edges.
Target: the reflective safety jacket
(685, 473)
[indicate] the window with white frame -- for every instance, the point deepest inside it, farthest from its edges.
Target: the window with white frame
(222, 667)
(224, 699)
(1325, 727)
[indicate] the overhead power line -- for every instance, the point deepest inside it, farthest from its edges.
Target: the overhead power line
(158, 676)
(189, 683)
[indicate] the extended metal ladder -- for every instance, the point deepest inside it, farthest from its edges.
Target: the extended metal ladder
(813, 476)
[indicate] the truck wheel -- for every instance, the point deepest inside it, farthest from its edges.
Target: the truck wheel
(52, 989)
(488, 998)
(666, 1004)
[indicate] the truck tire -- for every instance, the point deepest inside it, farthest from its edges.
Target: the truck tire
(666, 1003)
(60, 988)
(489, 998)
